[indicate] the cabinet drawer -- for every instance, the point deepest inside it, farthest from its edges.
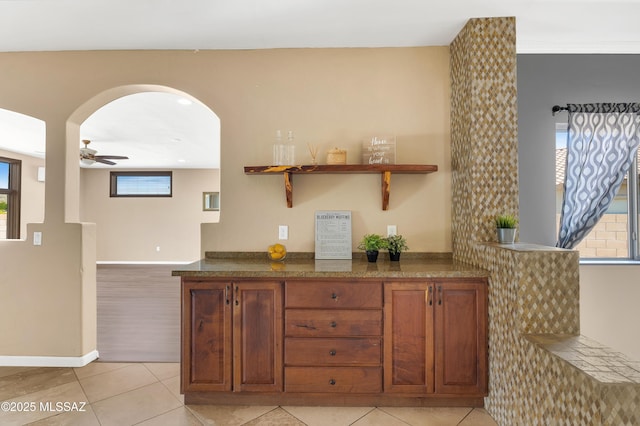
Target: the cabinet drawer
(333, 379)
(332, 323)
(323, 351)
(333, 295)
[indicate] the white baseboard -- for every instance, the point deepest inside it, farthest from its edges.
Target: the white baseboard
(48, 361)
(143, 262)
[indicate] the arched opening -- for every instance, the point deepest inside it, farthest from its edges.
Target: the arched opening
(22, 153)
(139, 239)
(160, 134)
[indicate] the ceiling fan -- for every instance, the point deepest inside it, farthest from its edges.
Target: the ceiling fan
(88, 156)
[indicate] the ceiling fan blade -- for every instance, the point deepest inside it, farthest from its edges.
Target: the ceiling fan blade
(112, 157)
(104, 161)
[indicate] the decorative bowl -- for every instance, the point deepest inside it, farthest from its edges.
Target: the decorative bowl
(277, 252)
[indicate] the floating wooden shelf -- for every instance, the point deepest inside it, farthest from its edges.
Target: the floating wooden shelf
(384, 170)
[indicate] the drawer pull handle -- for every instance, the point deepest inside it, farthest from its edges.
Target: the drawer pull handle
(332, 352)
(308, 327)
(333, 324)
(332, 382)
(334, 296)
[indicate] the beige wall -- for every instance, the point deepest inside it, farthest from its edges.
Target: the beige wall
(131, 229)
(330, 97)
(334, 99)
(609, 296)
(32, 202)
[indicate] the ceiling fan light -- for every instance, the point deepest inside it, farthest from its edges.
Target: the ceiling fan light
(87, 161)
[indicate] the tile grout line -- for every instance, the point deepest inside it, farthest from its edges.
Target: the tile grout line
(467, 415)
(395, 417)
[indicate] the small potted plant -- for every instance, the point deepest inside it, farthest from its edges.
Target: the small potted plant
(506, 227)
(396, 244)
(371, 244)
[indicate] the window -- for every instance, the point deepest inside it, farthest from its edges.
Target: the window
(10, 198)
(210, 201)
(615, 235)
(141, 184)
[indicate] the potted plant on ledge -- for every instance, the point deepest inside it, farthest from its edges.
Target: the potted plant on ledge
(506, 228)
(371, 244)
(396, 245)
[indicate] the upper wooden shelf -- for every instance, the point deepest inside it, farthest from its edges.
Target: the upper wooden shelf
(385, 171)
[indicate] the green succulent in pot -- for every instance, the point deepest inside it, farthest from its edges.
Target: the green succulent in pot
(396, 245)
(371, 244)
(506, 228)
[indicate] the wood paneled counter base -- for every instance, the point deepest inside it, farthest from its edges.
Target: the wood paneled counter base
(301, 341)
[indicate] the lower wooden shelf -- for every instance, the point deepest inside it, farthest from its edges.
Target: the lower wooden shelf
(385, 171)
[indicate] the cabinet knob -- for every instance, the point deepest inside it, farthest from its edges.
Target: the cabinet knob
(334, 296)
(333, 324)
(332, 382)
(332, 352)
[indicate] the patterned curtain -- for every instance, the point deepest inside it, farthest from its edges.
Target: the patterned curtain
(602, 140)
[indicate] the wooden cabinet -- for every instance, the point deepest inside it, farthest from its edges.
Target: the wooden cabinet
(334, 341)
(333, 337)
(436, 337)
(409, 344)
(232, 336)
(461, 337)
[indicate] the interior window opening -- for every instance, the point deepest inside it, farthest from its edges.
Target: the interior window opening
(22, 161)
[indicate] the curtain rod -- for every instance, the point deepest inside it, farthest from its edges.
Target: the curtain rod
(599, 107)
(557, 108)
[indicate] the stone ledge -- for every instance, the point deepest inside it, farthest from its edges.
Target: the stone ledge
(593, 359)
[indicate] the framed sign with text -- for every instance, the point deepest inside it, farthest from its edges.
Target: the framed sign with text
(333, 234)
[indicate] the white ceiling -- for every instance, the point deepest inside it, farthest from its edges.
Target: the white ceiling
(140, 129)
(543, 26)
(153, 129)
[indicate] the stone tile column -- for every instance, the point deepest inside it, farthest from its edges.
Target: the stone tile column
(484, 131)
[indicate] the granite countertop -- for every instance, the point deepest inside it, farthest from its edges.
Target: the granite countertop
(303, 265)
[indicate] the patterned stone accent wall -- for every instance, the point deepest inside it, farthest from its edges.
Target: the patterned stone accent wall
(484, 131)
(541, 371)
(533, 291)
(541, 285)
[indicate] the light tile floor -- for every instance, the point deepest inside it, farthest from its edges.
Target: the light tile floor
(149, 394)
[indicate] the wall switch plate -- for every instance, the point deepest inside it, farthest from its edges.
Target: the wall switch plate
(283, 232)
(392, 230)
(37, 238)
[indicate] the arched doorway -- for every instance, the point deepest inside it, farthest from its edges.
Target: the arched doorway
(138, 239)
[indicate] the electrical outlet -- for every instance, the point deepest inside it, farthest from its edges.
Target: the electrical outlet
(283, 232)
(392, 230)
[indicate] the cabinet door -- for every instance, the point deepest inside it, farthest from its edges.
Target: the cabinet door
(408, 337)
(257, 336)
(461, 337)
(206, 330)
